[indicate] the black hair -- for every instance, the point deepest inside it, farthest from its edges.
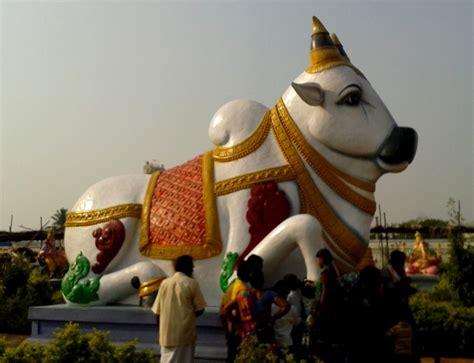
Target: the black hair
(255, 263)
(257, 280)
(292, 281)
(397, 258)
(184, 264)
(325, 255)
(282, 288)
(370, 277)
(243, 271)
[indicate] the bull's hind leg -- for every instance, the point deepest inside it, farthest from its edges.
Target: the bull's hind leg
(303, 231)
(102, 244)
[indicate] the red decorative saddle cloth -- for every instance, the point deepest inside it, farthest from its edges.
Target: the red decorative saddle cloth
(179, 215)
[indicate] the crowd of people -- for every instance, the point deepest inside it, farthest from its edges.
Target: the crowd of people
(356, 317)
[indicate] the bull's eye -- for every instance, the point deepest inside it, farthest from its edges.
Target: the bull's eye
(353, 98)
(350, 96)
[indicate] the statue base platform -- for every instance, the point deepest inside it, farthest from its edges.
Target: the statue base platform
(424, 282)
(125, 323)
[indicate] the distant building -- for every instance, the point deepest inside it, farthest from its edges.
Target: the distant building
(151, 167)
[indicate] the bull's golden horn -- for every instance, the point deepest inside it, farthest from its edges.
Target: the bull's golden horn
(324, 53)
(339, 46)
(318, 27)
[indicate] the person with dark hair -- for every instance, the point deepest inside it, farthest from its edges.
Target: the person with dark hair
(369, 319)
(262, 308)
(397, 285)
(296, 299)
(283, 327)
(395, 270)
(255, 263)
(323, 322)
(184, 264)
(176, 307)
(232, 328)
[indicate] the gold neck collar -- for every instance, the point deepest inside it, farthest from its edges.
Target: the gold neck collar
(346, 243)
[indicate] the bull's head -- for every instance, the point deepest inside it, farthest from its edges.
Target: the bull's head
(338, 111)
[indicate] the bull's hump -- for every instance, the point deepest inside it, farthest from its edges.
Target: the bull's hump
(235, 121)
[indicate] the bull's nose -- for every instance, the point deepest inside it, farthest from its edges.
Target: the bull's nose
(400, 146)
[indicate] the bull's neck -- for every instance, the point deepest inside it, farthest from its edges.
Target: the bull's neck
(342, 203)
(352, 188)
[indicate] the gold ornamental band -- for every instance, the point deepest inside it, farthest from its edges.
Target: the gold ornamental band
(327, 172)
(314, 158)
(145, 223)
(278, 174)
(253, 142)
(149, 287)
(96, 216)
(314, 202)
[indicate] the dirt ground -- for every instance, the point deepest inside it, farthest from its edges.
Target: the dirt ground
(13, 340)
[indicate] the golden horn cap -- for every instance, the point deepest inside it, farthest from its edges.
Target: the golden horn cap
(339, 46)
(325, 54)
(318, 27)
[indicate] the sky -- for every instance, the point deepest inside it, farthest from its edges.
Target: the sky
(93, 89)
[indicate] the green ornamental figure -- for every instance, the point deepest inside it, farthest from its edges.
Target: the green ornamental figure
(76, 291)
(227, 270)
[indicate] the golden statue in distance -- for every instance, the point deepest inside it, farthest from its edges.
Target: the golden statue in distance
(421, 259)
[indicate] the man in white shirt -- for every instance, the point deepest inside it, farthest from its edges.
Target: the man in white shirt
(177, 305)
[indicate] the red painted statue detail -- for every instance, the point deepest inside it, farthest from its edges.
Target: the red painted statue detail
(108, 241)
(267, 208)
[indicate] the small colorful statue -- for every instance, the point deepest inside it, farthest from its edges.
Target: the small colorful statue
(422, 259)
(54, 259)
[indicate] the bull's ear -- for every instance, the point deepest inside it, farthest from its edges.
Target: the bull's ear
(311, 93)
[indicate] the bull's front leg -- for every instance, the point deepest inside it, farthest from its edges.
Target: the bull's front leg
(303, 231)
(108, 270)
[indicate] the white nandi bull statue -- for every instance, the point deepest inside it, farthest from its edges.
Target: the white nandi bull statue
(297, 177)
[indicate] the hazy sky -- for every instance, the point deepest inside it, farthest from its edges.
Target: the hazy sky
(94, 89)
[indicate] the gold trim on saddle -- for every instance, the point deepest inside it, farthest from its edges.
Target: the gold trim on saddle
(145, 217)
(213, 244)
(96, 216)
(312, 200)
(253, 142)
(278, 174)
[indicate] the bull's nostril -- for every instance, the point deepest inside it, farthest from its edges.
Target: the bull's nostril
(400, 146)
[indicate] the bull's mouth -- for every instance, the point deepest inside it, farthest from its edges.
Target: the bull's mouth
(399, 150)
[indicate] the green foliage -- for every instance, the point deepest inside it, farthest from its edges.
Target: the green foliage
(444, 327)
(460, 269)
(69, 345)
(421, 222)
(251, 351)
(127, 353)
(24, 353)
(22, 286)
(59, 218)
(3, 345)
(445, 315)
